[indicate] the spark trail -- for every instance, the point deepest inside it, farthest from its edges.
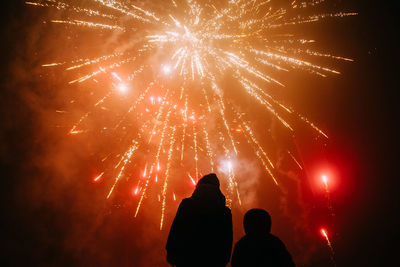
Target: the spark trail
(332, 252)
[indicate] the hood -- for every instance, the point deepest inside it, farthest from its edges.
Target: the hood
(209, 194)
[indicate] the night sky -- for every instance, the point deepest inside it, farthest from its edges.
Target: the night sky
(50, 219)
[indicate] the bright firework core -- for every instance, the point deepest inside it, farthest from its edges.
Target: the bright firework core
(123, 88)
(167, 69)
(324, 179)
(191, 119)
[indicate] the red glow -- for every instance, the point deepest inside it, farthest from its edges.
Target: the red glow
(325, 178)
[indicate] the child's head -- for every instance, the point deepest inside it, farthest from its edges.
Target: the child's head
(257, 221)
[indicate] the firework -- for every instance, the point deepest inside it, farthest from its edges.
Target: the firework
(183, 111)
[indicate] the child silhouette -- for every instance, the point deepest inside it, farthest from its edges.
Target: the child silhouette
(259, 247)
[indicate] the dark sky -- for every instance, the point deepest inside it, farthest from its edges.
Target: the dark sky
(361, 116)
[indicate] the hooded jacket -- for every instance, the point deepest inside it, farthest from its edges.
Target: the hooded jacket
(201, 233)
(261, 251)
(259, 248)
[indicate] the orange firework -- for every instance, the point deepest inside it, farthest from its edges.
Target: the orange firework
(184, 115)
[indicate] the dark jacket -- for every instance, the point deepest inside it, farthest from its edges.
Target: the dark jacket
(201, 233)
(264, 250)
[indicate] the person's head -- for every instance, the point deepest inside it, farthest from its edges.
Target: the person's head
(257, 221)
(207, 190)
(209, 179)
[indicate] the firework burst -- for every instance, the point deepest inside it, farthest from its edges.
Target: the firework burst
(184, 114)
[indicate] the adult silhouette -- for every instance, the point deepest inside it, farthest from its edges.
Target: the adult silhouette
(201, 233)
(259, 247)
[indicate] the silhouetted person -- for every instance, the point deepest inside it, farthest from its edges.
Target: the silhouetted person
(259, 247)
(201, 233)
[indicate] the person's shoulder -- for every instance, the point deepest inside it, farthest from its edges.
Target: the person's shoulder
(242, 241)
(274, 237)
(186, 202)
(245, 239)
(276, 240)
(227, 210)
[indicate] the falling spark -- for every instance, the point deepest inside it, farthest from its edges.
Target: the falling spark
(332, 252)
(167, 173)
(136, 190)
(145, 171)
(323, 232)
(125, 160)
(98, 177)
(295, 160)
(89, 24)
(191, 179)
